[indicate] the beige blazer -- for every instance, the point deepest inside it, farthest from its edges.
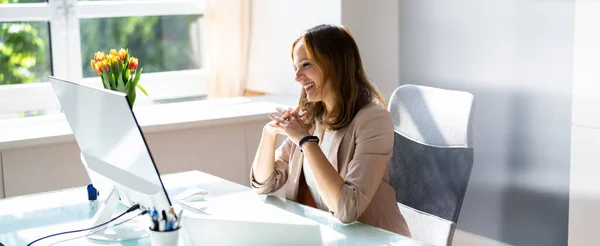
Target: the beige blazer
(360, 152)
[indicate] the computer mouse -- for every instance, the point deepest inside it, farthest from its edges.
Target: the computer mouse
(192, 195)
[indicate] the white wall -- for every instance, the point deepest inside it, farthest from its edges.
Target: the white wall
(516, 57)
(375, 26)
(275, 25)
(42, 168)
(226, 151)
(584, 196)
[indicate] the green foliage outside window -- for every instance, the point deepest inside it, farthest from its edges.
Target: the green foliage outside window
(22, 54)
(161, 43)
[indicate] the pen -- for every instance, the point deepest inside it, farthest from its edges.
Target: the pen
(161, 226)
(169, 225)
(165, 218)
(154, 217)
(164, 215)
(178, 220)
(179, 215)
(172, 212)
(155, 214)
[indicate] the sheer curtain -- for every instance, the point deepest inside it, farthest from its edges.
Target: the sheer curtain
(228, 34)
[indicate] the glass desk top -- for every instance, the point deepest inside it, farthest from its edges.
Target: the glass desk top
(26, 218)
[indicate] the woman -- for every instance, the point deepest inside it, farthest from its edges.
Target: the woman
(339, 140)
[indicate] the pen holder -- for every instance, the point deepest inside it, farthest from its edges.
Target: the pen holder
(164, 238)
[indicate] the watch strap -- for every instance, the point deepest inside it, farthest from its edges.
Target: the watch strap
(307, 139)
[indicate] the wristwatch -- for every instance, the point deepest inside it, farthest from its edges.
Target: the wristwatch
(307, 139)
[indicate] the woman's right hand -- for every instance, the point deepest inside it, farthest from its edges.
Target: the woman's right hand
(272, 131)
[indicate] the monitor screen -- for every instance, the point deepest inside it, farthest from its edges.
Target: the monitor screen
(112, 145)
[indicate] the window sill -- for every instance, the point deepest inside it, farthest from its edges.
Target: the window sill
(51, 129)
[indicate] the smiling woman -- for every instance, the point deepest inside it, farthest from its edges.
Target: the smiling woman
(339, 138)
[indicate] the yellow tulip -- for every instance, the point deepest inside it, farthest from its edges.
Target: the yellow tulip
(99, 56)
(113, 52)
(122, 54)
(115, 61)
(112, 60)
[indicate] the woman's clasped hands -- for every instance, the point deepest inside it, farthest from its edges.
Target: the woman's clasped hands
(291, 122)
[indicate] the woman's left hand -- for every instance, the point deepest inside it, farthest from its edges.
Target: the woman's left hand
(294, 126)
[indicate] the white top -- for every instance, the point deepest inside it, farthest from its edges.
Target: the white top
(325, 144)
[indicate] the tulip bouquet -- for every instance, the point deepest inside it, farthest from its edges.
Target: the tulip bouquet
(119, 72)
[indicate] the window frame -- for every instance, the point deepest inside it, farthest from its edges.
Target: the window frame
(64, 16)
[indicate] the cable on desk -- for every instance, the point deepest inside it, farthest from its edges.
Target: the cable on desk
(122, 222)
(102, 229)
(132, 208)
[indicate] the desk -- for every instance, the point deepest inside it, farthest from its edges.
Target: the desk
(26, 218)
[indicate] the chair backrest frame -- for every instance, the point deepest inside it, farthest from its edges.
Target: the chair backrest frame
(433, 153)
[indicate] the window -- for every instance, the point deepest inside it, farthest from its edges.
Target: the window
(24, 52)
(40, 38)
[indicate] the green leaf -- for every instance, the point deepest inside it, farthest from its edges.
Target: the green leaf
(131, 93)
(111, 78)
(125, 73)
(117, 79)
(137, 76)
(108, 79)
(113, 74)
(128, 73)
(131, 98)
(142, 89)
(118, 71)
(121, 86)
(104, 83)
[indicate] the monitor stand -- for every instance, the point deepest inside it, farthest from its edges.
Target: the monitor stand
(134, 229)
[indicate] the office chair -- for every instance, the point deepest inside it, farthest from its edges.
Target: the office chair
(432, 159)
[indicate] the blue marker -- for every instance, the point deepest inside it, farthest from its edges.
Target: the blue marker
(93, 194)
(154, 216)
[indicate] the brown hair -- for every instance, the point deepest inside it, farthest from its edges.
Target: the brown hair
(334, 52)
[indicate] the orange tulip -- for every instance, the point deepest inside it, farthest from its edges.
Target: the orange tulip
(99, 56)
(96, 67)
(122, 54)
(104, 65)
(133, 63)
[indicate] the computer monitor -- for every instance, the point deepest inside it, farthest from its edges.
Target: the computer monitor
(113, 150)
